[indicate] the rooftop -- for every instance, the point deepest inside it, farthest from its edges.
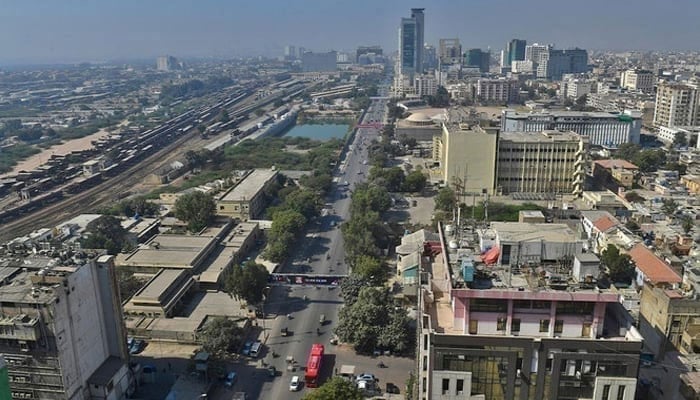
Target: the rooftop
(612, 164)
(653, 268)
(524, 231)
(543, 136)
(169, 251)
(159, 283)
(249, 186)
(510, 113)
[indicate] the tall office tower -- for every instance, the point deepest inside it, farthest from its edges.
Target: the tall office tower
(537, 52)
(63, 333)
(515, 51)
(166, 63)
(478, 58)
(450, 51)
(362, 50)
(430, 58)
(300, 52)
(411, 35)
(290, 52)
(560, 62)
(677, 104)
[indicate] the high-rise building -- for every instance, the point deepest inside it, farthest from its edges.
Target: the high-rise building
(290, 52)
(515, 50)
(167, 63)
(411, 36)
(430, 58)
(560, 62)
(319, 62)
(477, 58)
(638, 79)
(497, 90)
(602, 128)
(537, 52)
(63, 333)
(425, 85)
(543, 162)
(362, 50)
(450, 51)
(677, 104)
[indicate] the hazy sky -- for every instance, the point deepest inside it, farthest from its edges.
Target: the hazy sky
(47, 31)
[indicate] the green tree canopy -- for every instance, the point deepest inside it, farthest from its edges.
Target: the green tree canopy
(620, 266)
(335, 389)
(415, 182)
(445, 199)
(196, 209)
(350, 287)
(680, 140)
(106, 232)
(370, 268)
(247, 282)
(220, 336)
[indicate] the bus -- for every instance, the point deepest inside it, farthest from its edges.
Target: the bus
(313, 365)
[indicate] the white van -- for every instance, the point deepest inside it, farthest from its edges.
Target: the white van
(257, 346)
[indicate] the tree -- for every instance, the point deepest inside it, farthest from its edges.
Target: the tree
(415, 182)
(441, 98)
(687, 224)
(106, 232)
(247, 282)
(369, 268)
(408, 141)
(669, 206)
(628, 151)
(138, 206)
(680, 140)
(335, 388)
(391, 178)
(129, 284)
(620, 267)
(372, 321)
(445, 199)
(634, 197)
(219, 336)
(350, 287)
(196, 209)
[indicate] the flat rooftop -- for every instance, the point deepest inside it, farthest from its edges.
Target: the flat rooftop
(158, 284)
(168, 251)
(543, 136)
(249, 186)
(524, 231)
(510, 113)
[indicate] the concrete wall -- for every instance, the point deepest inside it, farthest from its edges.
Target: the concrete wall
(469, 154)
(451, 378)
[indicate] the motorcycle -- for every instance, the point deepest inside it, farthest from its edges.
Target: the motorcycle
(382, 365)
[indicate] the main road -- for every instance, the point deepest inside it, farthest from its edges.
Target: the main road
(320, 252)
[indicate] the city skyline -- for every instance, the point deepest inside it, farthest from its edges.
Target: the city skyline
(73, 31)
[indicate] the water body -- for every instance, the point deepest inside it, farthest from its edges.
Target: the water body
(318, 131)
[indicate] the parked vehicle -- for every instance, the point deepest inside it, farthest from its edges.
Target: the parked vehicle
(255, 349)
(246, 348)
(231, 379)
(137, 346)
(295, 384)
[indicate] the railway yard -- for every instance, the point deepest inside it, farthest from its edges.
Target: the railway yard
(66, 186)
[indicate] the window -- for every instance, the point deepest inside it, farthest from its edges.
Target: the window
(473, 326)
(515, 325)
(558, 326)
(620, 393)
(544, 325)
(445, 385)
(460, 386)
(501, 324)
(606, 392)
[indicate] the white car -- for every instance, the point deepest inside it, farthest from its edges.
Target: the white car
(366, 377)
(294, 384)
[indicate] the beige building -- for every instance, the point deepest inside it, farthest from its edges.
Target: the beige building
(162, 295)
(638, 79)
(246, 200)
(467, 157)
(676, 105)
(545, 162)
(497, 90)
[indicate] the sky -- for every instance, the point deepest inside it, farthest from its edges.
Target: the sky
(68, 31)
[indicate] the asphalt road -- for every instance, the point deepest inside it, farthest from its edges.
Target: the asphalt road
(321, 252)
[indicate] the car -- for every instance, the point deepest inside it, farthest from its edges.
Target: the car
(230, 379)
(137, 346)
(246, 348)
(366, 377)
(295, 384)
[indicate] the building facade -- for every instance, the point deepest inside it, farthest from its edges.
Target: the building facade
(411, 40)
(62, 330)
(362, 50)
(560, 62)
(515, 50)
(677, 105)
(450, 52)
(545, 162)
(638, 79)
(497, 90)
(477, 58)
(319, 62)
(602, 129)
(425, 85)
(166, 63)
(246, 200)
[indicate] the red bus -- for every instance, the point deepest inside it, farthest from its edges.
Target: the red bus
(313, 365)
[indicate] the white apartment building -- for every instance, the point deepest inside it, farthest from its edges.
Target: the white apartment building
(425, 85)
(575, 88)
(497, 90)
(602, 128)
(544, 162)
(523, 67)
(668, 134)
(677, 104)
(637, 79)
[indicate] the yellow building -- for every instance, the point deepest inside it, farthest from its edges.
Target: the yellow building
(246, 200)
(692, 182)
